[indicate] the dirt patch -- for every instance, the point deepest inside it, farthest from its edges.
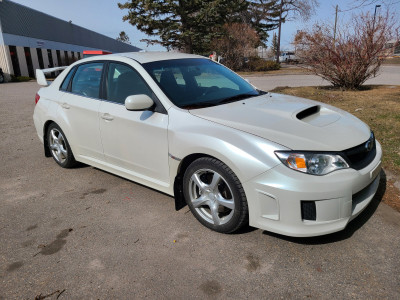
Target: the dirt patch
(14, 266)
(392, 193)
(253, 263)
(211, 288)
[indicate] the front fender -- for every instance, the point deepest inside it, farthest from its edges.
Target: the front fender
(247, 155)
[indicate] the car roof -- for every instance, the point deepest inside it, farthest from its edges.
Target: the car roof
(145, 57)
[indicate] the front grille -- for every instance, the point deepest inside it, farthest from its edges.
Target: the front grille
(362, 155)
(308, 210)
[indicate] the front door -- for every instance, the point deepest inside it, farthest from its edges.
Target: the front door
(135, 141)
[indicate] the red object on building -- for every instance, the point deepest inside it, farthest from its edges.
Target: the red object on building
(88, 53)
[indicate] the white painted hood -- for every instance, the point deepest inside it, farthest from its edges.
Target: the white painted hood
(274, 117)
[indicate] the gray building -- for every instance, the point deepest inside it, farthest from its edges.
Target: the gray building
(31, 40)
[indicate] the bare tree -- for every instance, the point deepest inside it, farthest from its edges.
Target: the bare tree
(293, 9)
(239, 41)
(354, 56)
(123, 37)
(361, 3)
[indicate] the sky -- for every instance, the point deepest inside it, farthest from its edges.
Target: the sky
(104, 16)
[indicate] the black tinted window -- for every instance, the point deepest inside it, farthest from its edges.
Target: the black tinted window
(66, 81)
(124, 81)
(196, 82)
(86, 81)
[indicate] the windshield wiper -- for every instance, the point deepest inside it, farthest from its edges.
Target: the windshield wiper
(222, 101)
(236, 98)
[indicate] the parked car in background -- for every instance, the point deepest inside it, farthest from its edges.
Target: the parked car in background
(2, 79)
(189, 127)
(288, 57)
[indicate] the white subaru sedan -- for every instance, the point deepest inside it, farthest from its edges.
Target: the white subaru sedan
(189, 127)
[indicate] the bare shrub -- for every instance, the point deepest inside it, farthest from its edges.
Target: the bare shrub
(258, 64)
(355, 56)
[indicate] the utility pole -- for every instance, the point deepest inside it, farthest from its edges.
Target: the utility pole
(373, 26)
(278, 48)
(334, 33)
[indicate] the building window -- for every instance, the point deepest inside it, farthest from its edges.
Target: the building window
(40, 57)
(59, 58)
(28, 58)
(50, 56)
(66, 58)
(14, 60)
(79, 55)
(73, 56)
(51, 64)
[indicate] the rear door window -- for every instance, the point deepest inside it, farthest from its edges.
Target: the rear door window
(64, 85)
(86, 81)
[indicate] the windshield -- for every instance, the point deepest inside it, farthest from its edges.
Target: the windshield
(194, 83)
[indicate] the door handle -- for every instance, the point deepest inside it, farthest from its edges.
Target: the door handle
(107, 117)
(65, 105)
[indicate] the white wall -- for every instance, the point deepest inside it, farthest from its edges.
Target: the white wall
(5, 61)
(22, 61)
(35, 60)
(54, 54)
(45, 58)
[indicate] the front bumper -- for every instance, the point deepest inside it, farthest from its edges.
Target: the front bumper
(275, 198)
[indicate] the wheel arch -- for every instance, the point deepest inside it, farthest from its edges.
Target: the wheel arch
(180, 201)
(45, 128)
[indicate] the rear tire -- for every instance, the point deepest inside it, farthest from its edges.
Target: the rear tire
(59, 147)
(215, 195)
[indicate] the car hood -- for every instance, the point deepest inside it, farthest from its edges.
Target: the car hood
(296, 123)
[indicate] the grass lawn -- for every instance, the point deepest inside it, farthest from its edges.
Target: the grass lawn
(392, 61)
(379, 107)
(293, 70)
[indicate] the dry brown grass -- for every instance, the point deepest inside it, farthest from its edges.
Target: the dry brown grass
(392, 61)
(379, 107)
(282, 71)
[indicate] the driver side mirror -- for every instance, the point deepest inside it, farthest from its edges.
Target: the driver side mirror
(138, 102)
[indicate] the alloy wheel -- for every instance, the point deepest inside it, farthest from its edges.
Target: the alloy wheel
(211, 196)
(58, 146)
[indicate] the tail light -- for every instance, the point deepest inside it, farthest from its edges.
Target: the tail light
(37, 97)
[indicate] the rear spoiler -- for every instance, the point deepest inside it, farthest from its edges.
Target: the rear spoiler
(41, 78)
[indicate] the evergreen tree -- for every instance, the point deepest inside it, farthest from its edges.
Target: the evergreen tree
(263, 16)
(186, 25)
(274, 44)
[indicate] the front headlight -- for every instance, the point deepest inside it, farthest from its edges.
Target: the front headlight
(312, 163)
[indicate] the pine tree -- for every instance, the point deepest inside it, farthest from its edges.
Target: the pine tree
(263, 16)
(186, 25)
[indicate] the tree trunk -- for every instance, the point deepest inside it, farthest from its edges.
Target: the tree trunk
(278, 46)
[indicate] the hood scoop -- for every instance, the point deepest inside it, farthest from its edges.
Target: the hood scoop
(308, 112)
(317, 116)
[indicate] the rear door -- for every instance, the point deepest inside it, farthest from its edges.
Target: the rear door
(80, 105)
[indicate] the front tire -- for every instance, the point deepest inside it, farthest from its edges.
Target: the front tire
(215, 195)
(59, 147)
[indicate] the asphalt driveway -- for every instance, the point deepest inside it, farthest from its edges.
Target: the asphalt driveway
(87, 234)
